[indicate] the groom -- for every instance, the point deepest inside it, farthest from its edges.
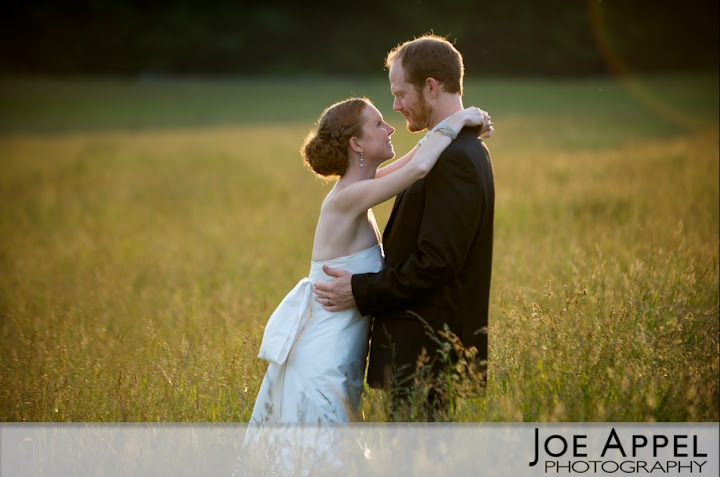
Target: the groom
(438, 240)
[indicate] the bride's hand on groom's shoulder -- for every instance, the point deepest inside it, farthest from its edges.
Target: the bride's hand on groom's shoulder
(336, 294)
(475, 116)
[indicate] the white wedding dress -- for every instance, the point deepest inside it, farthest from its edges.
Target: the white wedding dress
(316, 357)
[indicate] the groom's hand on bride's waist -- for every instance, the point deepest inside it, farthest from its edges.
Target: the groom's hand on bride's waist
(335, 295)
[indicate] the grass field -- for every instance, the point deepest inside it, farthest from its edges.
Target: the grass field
(149, 228)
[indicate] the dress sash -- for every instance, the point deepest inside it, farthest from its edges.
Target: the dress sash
(293, 312)
(284, 323)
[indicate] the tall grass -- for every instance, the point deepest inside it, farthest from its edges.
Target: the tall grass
(139, 266)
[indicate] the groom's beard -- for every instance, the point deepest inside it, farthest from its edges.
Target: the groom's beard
(419, 117)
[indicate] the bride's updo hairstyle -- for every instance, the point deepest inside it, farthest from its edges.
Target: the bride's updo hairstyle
(325, 150)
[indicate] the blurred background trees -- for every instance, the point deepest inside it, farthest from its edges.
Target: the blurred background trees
(497, 38)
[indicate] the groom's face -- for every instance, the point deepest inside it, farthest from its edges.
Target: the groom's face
(409, 101)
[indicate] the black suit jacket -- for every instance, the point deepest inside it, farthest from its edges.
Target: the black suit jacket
(438, 258)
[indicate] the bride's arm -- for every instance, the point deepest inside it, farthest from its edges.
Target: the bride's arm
(361, 195)
(485, 131)
(396, 164)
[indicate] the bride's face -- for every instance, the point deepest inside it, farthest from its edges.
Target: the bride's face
(375, 141)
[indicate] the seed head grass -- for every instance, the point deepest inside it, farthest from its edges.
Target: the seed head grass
(139, 266)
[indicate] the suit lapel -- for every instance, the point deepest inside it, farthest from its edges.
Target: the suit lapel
(391, 220)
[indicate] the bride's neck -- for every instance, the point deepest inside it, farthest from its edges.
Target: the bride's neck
(355, 173)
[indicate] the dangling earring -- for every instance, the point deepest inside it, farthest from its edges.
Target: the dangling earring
(361, 159)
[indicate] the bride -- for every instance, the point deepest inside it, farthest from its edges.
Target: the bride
(316, 357)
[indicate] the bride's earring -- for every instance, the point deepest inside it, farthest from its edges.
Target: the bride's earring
(361, 159)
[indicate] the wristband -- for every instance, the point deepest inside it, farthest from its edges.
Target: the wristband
(447, 130)
(444, 128)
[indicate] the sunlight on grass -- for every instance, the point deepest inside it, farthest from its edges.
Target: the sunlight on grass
(139, 269)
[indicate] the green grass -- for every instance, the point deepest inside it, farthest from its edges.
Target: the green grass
(148, 230)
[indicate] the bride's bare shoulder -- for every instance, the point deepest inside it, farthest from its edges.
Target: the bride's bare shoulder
(343, 198)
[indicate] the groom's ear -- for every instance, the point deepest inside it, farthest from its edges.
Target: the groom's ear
(432, 86)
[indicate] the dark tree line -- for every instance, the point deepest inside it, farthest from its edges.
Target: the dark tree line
(500, 37)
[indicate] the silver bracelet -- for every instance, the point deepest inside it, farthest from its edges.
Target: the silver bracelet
(447, 130)
(444, 128)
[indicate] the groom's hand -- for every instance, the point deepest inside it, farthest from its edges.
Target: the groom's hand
(335, 295)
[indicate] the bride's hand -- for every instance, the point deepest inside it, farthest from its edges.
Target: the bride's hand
(485, 129)
(473, 116)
